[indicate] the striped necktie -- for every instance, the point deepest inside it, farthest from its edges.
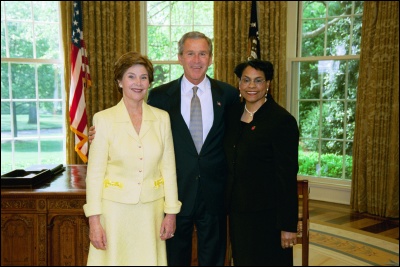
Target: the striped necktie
(196, 123)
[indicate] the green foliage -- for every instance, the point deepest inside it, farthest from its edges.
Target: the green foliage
(330, 165)
(27, 154)
(328, 88)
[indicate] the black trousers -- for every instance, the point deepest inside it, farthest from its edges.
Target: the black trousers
(211, 236)
(256, 241)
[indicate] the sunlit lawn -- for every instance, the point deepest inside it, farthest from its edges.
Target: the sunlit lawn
(26, 152)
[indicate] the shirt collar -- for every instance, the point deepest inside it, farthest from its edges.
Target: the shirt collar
(187, 86)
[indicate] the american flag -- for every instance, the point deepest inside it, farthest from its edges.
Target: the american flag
(254, 40)
(80, 80)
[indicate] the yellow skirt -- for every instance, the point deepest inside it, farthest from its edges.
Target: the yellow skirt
(133, 235)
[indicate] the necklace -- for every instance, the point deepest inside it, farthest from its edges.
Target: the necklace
(252, 113)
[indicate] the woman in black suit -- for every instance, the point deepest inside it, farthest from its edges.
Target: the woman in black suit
(261, 145)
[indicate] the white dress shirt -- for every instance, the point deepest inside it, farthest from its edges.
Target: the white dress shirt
(205, 96)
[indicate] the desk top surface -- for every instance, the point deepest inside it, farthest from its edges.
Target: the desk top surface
(71, 181)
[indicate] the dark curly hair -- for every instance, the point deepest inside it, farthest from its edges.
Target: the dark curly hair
(264, 66)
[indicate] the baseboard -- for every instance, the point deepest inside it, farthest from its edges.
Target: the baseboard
(329, 190)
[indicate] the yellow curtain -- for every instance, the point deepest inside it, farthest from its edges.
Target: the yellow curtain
(231, 29)
(375, 181)
(110, 29)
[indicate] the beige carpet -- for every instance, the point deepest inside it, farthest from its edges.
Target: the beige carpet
(333, 245)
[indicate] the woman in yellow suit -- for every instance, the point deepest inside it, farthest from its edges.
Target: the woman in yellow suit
(132, 198)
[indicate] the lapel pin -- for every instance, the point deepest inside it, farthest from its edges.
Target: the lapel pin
(252, 128)
(218, 103)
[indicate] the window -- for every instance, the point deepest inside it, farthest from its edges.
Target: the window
(167, 21)
(32, 95)
(323, 80)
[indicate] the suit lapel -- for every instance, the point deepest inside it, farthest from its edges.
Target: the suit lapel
(147, 119)
(218, 106)
(179, 126)
(124, 121)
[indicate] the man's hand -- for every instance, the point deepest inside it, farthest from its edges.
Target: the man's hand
(92, 133)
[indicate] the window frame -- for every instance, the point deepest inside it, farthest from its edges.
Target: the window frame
(144, 41)
(293, 50)
(40, 136)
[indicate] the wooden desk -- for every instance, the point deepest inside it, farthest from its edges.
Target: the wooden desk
(45, 225)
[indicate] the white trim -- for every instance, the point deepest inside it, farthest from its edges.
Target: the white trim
(329, 190)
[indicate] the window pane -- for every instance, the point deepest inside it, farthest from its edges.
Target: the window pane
(313, 43)
(45, 10)
(182, 18)
(313, 9)
(331, 163)
(20, 39)
(26, 115)
(325, 90)
(160, 45)
(49, 81)
(158, 12)
(5, 119)
(51, 151)
(167, 21)
(23, 81)
(309, 163)
(334, 79)
(348, 160)
(356, 36)
(338, 41)
(18, 10)
(5, 93)
(3, 38)
(338, 8)
(309, 120)
(310, 80)
(46, 37)
(51, 120)
(206, 17)
(6, 153)
(332, 122)
(350, 120)
(337, 32)
(26, 153)
(31, 92)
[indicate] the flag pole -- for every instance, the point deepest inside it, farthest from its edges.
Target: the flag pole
(253, 51)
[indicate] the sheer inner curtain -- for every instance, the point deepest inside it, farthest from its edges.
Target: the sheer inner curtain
(231, 30)
(110, 29)
(375, 183)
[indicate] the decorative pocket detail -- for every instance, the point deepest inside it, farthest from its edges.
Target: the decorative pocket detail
(108, 183)
(158, 182)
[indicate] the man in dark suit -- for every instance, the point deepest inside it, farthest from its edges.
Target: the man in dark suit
(201, 175)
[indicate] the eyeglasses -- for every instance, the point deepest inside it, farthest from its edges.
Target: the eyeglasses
(246, 81)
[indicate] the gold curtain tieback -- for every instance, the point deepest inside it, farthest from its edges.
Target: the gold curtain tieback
(108, 183)
(158, 182)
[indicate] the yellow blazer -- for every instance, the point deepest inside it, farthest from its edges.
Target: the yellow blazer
(126, 167)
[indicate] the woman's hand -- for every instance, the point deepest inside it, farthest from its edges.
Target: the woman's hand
(92, 133)
(97, 235)
(168, 226)
(288, 239)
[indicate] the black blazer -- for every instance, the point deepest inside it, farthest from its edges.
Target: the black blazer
(263, 163)
(205, 173)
